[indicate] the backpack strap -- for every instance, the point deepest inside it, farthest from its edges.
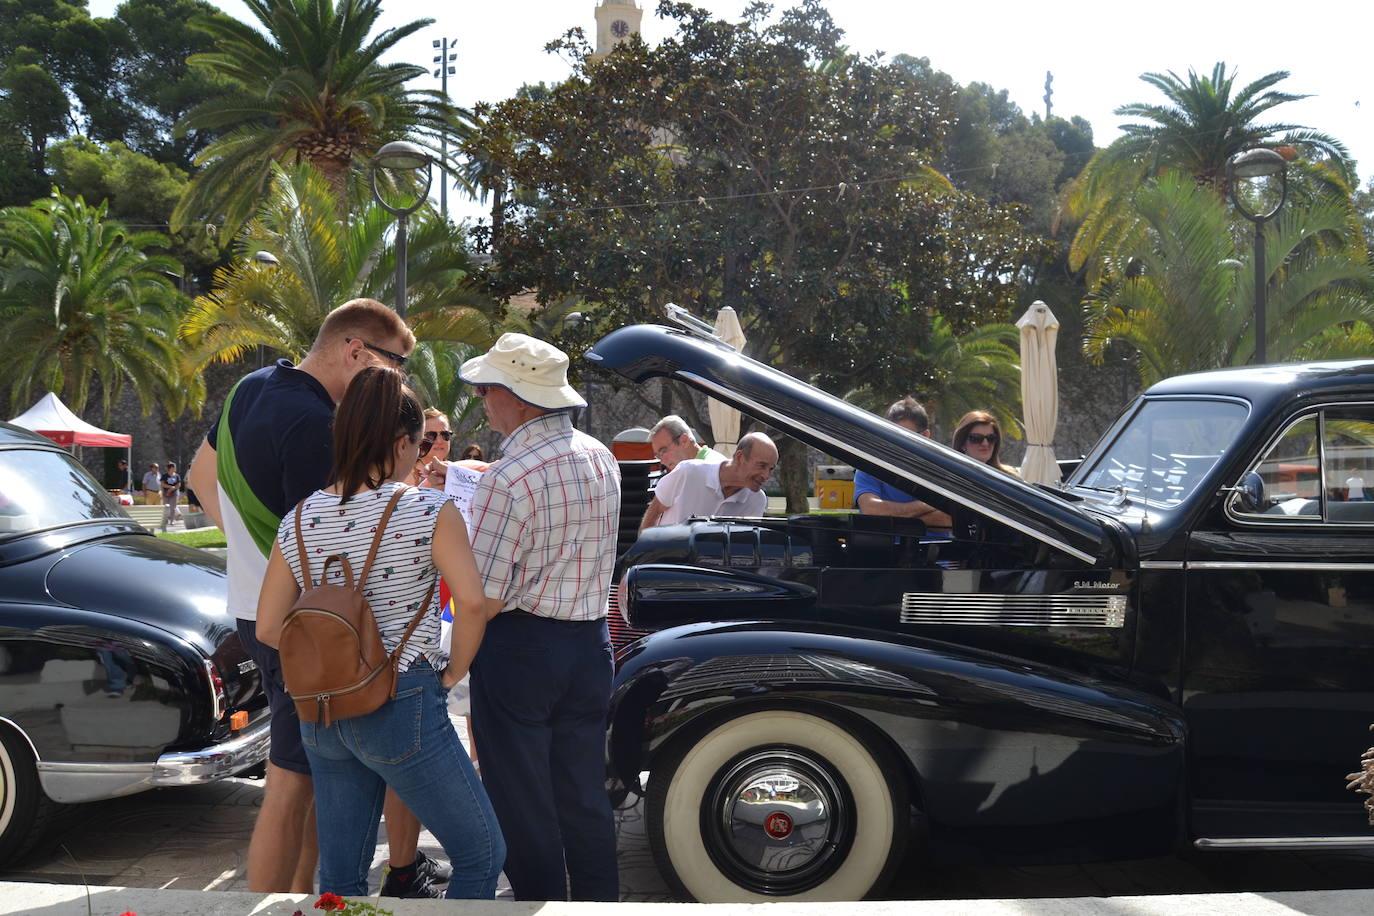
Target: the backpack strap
(381, 530)
(414, 622)
(300, 548)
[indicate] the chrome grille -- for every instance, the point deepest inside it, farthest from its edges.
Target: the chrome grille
(1014, 610)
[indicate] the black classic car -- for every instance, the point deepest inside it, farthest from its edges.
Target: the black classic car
(120, 669)
(1174, 647)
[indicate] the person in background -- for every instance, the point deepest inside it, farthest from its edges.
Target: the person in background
(699, 487)
(171, 493)
(408, 743)
(270, 447)
(472, 453)
(123, 477)
(979, 436)
(440, 438)
(874, 497)
(152, 485)
(544, 524)
(673, 441)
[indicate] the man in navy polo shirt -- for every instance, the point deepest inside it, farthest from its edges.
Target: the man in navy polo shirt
(874, 497)
(270, 447)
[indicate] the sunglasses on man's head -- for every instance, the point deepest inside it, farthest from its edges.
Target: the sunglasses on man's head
(982, 438)
(434, 434)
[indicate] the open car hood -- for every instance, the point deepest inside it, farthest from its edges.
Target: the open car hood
(838, 428)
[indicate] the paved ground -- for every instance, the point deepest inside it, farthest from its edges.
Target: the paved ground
(196, 838)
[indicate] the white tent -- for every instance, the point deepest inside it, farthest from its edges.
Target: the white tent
(51, 418)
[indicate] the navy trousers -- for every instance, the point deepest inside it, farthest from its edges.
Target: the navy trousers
(540, 691)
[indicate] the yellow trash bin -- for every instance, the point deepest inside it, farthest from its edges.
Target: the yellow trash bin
(834, 486)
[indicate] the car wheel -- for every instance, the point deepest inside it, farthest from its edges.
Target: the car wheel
(777, 804)
(25, 811)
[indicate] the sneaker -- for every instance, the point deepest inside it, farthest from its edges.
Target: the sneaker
(438, 872)
(419, 887)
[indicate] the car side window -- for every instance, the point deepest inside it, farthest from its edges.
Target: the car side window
(42, 489)
(1320, 469)
(1348, 464)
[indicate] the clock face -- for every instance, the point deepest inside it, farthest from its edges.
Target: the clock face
(620, 28)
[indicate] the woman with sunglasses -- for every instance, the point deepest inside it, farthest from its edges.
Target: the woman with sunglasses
(979, 437)
(439, 439)
(409, 742)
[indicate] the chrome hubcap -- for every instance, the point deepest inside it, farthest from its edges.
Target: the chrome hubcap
(781, 822)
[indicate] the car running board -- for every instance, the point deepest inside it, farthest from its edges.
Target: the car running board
(1284, 842)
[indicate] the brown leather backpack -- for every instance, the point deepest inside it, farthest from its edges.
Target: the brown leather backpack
(332, 657)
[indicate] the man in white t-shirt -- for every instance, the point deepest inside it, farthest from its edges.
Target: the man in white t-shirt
(698, 487)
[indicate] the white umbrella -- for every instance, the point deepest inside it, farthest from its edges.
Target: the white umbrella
(1039, 392)
(725, 419)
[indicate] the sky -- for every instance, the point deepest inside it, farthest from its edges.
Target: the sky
(1096, 50)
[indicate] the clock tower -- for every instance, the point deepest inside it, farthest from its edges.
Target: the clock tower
(616, 20)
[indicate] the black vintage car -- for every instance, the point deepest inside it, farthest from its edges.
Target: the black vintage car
(120, 669)
(1176, 646)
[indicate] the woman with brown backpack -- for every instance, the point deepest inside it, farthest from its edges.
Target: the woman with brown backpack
(362, 657)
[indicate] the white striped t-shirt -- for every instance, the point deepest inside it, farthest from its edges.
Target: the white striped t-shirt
(403, 570)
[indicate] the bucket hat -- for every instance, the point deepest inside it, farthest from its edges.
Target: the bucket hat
(534, 371)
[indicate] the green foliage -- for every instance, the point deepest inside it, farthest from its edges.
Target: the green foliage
(310, 88)
(1175, 294)
(90, 303)
(137, 188)
(977, 370)
(1207, 122)
(324, 260)
(762, 167)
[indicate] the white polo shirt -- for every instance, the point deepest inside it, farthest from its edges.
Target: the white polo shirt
(693, 489)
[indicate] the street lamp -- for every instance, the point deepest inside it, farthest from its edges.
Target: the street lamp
(402, 156)
(1266, 165)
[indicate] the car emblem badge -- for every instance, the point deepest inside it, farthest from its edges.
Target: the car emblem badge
(778, 825)
(245, 667)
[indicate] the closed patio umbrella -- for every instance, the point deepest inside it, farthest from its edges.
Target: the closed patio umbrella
(724, 418)
(1039, 392)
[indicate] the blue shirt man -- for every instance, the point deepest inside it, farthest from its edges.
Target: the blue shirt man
(874, 497)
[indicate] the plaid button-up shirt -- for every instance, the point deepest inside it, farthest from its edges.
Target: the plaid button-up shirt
(545, 519)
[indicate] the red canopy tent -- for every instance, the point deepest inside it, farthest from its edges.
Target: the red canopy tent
(51, 418)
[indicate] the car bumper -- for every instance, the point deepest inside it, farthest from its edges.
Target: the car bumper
(70, 783)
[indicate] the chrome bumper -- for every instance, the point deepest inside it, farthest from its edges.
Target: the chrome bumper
(70, 783)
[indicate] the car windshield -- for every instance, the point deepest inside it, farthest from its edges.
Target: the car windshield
(42, 489)
(1166, 449)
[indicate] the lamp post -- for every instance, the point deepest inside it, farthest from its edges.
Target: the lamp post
(445, 60)
(402, 156)
(1258, 163)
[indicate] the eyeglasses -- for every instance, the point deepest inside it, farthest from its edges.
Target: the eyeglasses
(982, 438)
(425, 445)
(481, 390)
(396, 358)
(434, 434)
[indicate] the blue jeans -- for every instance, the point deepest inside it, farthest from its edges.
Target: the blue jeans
(410, 745)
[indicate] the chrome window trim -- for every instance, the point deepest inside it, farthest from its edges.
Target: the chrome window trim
(1163, 564)
(949, 494)
(1279, 521)
(1285, 842)
(1290, 567)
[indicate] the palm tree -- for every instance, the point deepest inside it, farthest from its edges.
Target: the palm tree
(1176, 293)
(311, 89)
(1207, 121)
(320, 260)
(90, 303)
(977, 370)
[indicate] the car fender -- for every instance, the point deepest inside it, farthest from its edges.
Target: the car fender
(1001, 752)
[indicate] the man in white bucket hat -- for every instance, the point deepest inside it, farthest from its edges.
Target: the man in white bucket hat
(544, 524)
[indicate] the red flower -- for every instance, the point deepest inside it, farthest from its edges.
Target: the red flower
(330, 901)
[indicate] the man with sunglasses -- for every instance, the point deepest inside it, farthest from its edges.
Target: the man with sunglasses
(268, 449)
(875, 497)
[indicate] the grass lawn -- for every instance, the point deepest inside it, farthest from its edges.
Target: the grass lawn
(204, 537)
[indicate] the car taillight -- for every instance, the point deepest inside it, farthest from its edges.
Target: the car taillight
(217, 694)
